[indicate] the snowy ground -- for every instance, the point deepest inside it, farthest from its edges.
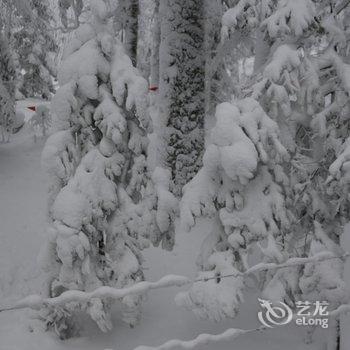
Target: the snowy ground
(22, 228)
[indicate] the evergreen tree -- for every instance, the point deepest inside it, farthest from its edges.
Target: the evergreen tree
(182, 98)
(240, 188)
(104, 206)
(7, 89)
(35, 47)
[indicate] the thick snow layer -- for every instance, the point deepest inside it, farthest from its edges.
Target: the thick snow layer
(22, 214)
(22, 217)
(83, 66)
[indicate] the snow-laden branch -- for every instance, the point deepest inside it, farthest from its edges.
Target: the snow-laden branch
(202, 339)
(295, 262)
(37, 302)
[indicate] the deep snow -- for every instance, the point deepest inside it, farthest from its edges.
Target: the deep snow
(22, 230)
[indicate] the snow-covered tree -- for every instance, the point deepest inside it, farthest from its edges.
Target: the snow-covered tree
(34, 43)
(304, 87)
(241, 189)
(301, 82)
(182, 76)
(40, 122)
(104, 204)
(7, 89)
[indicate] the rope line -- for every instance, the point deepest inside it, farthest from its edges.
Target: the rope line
(37, 302)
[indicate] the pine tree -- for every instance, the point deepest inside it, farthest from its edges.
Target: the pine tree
(240, 188)
(182, 76)
(301, 82)
(35, 47)
(104, 205)
(7, 89)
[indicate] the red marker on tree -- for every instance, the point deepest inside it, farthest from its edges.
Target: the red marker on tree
(153, 88)
(32, 108)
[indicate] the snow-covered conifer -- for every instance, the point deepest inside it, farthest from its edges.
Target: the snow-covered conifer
(7, 89)
(182, 76)
(301, 80)
(240, 188)
(34, 43)
(104, 207)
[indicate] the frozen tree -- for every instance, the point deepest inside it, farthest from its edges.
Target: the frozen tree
(7, 89)
(240, 188)
(181, 98)
(301, 80)
(104, 204)
(33, 41)
(11, 15)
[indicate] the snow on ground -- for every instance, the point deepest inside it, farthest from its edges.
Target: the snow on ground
(22, 208)
(22, 229)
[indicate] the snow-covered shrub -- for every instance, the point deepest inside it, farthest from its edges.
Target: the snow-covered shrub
(104, 208)
(240, 187)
